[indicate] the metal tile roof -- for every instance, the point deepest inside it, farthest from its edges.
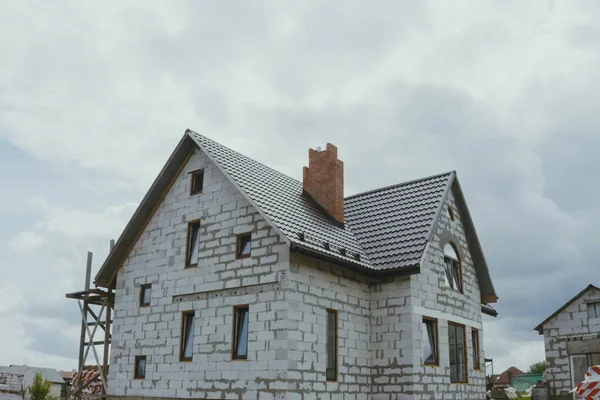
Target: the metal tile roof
(385, 229)
(393, 224)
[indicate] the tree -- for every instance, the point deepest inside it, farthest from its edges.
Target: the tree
(538, 367)
(40, 388)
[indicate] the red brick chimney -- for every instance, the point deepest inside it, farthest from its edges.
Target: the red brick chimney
(324, 181)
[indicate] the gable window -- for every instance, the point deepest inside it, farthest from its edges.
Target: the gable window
(453, 275)
(243, 246)
(186, 345)
(140, 367)
(193, 244)
(593, 310)
(457, 351)
(450, 213)
(475, 339)
(197, 184)
(145, 295)
(430, 341)
(331, 370)
(240, 332)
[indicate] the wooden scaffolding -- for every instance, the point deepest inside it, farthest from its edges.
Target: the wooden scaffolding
(96, 307)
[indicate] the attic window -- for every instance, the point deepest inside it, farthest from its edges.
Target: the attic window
(593, 310)
(193, 244)
(145, 295)
(450, 213)
(243, 245)
(197, 182)
(453, 273)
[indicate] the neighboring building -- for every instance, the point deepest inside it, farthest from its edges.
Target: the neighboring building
(19, 377)
(505, 379)
(233, 280)
(572, 340)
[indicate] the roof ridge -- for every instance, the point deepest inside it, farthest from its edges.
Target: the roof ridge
(399, 184)
(188, 131)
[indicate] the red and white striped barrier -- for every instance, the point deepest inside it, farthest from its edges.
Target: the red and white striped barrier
(589, 389)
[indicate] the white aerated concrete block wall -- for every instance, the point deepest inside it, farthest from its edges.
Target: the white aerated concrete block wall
(158, 258)
(432, 298)
(570, 324)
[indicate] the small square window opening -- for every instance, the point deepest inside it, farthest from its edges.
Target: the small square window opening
(197, 184)
(140, 367)
(193, 244)
(240, 332)
(243, 245)
(145, 295)
(450, 213)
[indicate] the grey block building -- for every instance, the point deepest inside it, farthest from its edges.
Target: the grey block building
(572, 341)
(235, 281)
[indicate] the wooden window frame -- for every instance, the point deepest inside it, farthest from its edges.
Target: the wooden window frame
(143, 289)
(184, 315)
(476, 349)
(465, 350)
(137, 359)
(234, 332)
(336, 344)
(460, 268)
(193, 175)
(238, 255)
(437, 341)
(188, 248)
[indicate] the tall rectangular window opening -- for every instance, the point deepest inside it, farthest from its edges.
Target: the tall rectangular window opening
(197, 184)
(458, 364)
(243, 246)
(193, 244)
(331, 370)
(140, 367)
(187, 336)
(593, 310)
(430, 341)
(145, 295)
(475, 339)
(453, 275)
(240, 332)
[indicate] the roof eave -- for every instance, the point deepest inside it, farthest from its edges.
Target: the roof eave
(488, 293)
(374, 273)
(540, 327)
(153, 198)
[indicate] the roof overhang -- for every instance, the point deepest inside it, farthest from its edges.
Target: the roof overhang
(146, 209)
(540, 327)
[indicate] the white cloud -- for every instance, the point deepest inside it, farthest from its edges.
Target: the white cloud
(503, 92)
(27, 241)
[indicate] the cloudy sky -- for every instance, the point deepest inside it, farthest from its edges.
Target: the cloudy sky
(94, 97)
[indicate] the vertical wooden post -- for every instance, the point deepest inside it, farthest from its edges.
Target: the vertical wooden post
(107, 330)
(88, 276)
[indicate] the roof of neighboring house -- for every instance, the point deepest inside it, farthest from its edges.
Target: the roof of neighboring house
(540, 327)
(386, 229)
(505, 377)
(28, 373)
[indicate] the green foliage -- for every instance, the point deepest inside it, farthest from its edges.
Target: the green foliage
(40, 388)
(538, 367)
